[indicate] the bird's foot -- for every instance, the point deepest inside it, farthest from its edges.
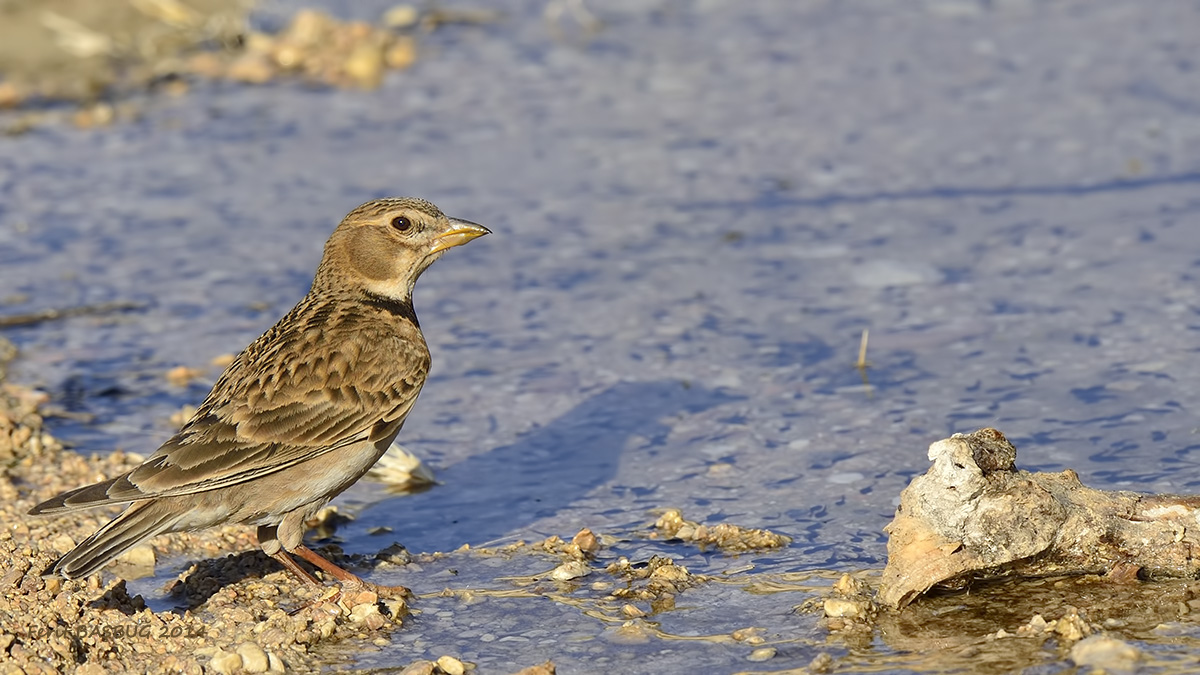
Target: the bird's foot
(362, 588)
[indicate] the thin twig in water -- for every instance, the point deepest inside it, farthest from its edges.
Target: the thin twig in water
(863, 363)
(53, 314)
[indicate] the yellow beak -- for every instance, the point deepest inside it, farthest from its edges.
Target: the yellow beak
(460, 232)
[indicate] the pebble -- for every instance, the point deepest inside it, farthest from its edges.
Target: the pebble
(451, 665)
(225, 663)
(142, 556)
(844, 609)
(762, 654)
(570, 570)
(1101, 651)
(254, 659)
(419, 668)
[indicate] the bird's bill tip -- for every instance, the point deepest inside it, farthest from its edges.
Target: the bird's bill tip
(460, 232)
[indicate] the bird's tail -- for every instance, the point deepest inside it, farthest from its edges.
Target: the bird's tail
(138, 523)
(85, 497)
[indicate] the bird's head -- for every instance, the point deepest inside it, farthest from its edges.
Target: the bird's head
(385, 244)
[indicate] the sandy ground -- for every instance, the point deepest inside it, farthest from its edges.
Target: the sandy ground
(237, 604)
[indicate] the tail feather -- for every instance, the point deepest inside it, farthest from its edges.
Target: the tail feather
(138, 523)
(85, 497)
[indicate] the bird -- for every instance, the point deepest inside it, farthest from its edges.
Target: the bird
(301, 413)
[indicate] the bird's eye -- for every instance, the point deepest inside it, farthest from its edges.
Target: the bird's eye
(402, 223)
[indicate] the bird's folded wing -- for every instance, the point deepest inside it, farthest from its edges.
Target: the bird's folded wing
(291, 412)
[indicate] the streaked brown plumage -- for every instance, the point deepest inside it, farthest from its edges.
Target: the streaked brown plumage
(300, 414)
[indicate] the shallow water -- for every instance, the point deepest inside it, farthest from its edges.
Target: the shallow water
(696, 212)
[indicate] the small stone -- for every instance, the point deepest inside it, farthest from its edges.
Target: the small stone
(308, 27)
(762, 654)
(401, 16)
(632, 612)
(205, 64)
(451, 665)
(182, 375)
(254, 659)
(142, 557)
(225, 663)
(223, 360)
(570, 570)
(364, 66)
(419, 668)
(10, 95)
(251, 68)
(181, 416)
(395, 554)
(586, 541)
(744, 634)
(848, 586)
(401, 54)
(98, 115)
(62, 543)
(670, 573)
(367, 614)
(1101, 651)
(255, 41)
(844, 609)
(821, 663)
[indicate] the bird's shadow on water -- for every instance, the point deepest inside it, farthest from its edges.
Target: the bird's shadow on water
(496, 493)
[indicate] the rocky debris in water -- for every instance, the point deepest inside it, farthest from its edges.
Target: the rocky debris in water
(821, 663)
(724, 536)
(973, 516)
(762, 654)
(850, 605)
(657, 581)
(445, 665)
(583, 546)
(1069, 628)
(395, 554)
(1107, 653)
(568, 571)
(750, 636)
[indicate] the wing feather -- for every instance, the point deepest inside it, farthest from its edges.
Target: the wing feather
(293, 395)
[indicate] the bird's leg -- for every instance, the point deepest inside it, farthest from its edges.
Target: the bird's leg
(345, 579)
(338, 573)
(291, 566)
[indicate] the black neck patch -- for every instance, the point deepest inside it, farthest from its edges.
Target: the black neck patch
(400, 308)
